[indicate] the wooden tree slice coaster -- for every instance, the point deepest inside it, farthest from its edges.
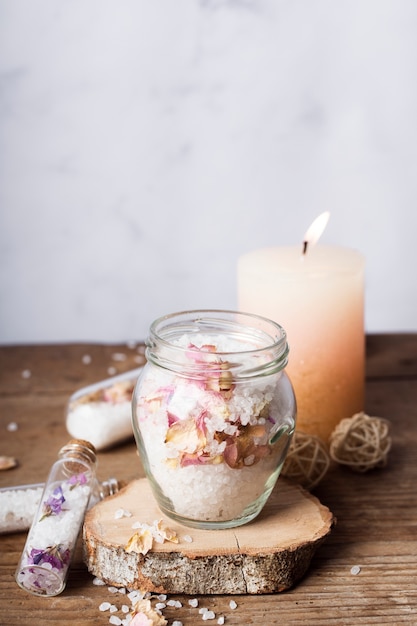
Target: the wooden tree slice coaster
(270, 554)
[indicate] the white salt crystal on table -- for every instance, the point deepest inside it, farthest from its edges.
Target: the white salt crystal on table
(122, 513)
(134, 596)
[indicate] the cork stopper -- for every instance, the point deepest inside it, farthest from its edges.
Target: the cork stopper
(79, 449)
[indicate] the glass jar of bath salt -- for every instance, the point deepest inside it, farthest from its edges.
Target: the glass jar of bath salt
(213, 415)
(45, 560)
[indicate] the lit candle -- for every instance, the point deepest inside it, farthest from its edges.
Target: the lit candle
(317, 294)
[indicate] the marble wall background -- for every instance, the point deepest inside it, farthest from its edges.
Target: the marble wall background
(146, 144)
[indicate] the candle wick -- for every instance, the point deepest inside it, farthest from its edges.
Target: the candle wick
(305, 246)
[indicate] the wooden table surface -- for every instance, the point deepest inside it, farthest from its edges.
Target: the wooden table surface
(376, 512)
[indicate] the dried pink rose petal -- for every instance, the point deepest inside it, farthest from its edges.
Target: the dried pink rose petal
(187, 435)
(144, 615)
(141, 619)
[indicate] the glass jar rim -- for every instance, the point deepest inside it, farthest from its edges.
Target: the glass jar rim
(268, 337)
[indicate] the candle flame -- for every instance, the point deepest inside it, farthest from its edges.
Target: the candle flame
(315, 231)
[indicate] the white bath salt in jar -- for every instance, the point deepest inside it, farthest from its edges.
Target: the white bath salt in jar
(46, 557)
(102, 413)
(213, 415)
(18, 504)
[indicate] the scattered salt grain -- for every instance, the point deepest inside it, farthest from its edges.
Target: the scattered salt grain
(131, 344)
(122, 513)
(176, 622)
(122, 590)
(104, 606)
(134, 596)
(193, 602)
(233, 605)
(12, 427)
(113, 589)
(111, 371)
(188, 539)
(125, 608)
(160, 605)
(221, 620)
(118, 356)
(203, 610)
(355, 570)
(174, 603)
(26, 374)
(98, 582)
(86, 359)
(162, 597)
(115, 620)
(208, 615)
(113, 608)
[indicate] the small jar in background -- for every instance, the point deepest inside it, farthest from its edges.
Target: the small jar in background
(44, 563)
(102, 413)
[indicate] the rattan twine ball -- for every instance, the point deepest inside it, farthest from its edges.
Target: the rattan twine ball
(307, 460)
(361, 442)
